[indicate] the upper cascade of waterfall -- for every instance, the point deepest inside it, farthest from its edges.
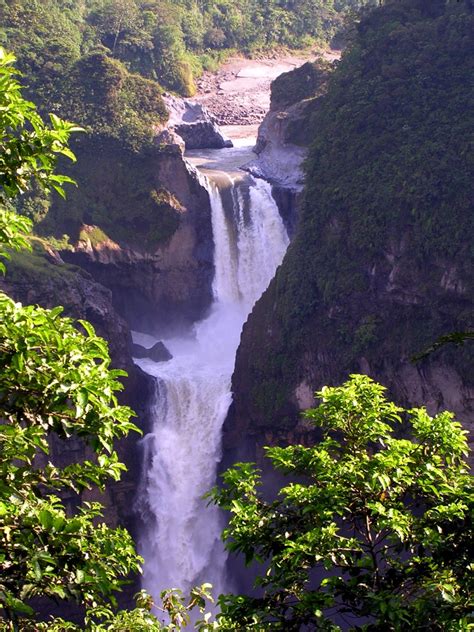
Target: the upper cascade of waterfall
(180, 539)
(249, 238)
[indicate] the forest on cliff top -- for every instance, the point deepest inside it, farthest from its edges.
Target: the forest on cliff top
(104, 64)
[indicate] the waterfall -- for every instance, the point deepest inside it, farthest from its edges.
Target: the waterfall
(181, 539)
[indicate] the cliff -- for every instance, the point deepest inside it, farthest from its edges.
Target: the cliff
(282, 142)
(381, 263)
(139, 223)
(41, 277)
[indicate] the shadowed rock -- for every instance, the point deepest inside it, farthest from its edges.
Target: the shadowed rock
(194, 124)
(157, 353)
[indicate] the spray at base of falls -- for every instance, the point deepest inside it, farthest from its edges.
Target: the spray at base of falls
(181, 540)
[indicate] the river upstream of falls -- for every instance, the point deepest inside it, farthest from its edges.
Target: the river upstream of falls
(181, 539)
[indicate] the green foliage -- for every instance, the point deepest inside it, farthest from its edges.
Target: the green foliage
(29, 152)
(28, 148)
(47, 41)
(390, 157)
(13, 232)
(387, 210)
(55, 381)
(97, 91)
(377, 533)
(391, 153)
(174, 607)
(457, 338)
(34, 203)
(109, 100)
(56, 387)
(121, 201)
(115, 19)
(161, 40)
(34, 267)
(302, 83)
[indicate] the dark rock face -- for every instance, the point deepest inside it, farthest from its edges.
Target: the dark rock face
(194, 124)
(41, 279)
(288, 201)
(276, 373)
(157, 353)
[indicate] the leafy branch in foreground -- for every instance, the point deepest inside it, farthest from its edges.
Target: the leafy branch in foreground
(28, 147)
(56, 386)
(29, 151)
(56, 382)
(377, 535)
(457, 338)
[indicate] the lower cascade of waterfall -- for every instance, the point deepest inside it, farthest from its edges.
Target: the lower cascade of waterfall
(180, 541)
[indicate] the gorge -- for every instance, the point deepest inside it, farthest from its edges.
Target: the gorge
(364, 165)
(180, 535)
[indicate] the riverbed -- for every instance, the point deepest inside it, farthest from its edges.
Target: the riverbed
(238, 94)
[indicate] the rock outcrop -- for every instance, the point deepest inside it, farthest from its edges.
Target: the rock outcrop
(283, 136)
(43, 278)
(142, 228)
(157, 353)
(194, 124)
(377, 332)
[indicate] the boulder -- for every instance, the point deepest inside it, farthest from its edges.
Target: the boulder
(157, 353)
(169, 139)
(202, 135)
(194, 124)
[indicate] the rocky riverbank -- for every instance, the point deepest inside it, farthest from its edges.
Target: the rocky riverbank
(239, 92)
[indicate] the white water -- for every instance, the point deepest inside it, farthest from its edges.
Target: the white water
(181, 540)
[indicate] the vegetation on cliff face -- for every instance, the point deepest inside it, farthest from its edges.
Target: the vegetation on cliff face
(56, 386)
(373, 536)
(125, 201)
(382, 262)
(299, 84)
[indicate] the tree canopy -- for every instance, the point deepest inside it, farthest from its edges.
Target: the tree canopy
(168, 42)
(375, 535)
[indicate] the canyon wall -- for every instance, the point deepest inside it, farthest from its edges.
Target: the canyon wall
(381, 263)
(140, 224)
